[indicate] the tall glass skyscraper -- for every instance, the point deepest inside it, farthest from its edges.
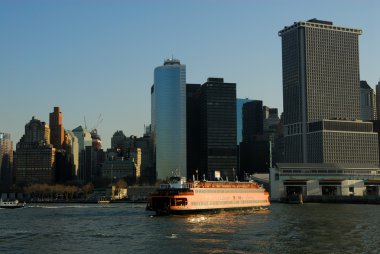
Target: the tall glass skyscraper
(168, 116)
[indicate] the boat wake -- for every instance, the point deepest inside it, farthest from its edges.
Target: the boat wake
(59, 207)
(172, 236)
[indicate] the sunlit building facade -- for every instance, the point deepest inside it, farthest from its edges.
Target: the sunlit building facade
(57, 131)
(72, 140)
(35, 155)
(330, 154)
(168, 116)
(320, 81)
(84, 140)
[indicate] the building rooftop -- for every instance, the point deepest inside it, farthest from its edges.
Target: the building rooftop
(318, 24)
(364, 85)
(314, 20)
(172, 61)
(328, 166)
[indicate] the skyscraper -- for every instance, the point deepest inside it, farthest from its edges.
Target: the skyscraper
(6, 161)
(367, 102)
(73, 143)
(252, 120)
(329, 152)
(239, 118)
(35, 155)
(168, 116)
(218, 128)
(255, 149)
(378, 101)
(119, 142)
(85, 155)
(193, 129)
(57, 131)
(321, 81)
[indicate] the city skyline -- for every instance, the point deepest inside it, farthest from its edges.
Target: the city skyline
(98, 58)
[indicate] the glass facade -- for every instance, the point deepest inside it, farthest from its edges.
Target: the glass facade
(169, 118)
(218, 129)
(239, 119)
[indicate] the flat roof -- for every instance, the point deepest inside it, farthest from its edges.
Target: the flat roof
(314, 23)
(328, 166)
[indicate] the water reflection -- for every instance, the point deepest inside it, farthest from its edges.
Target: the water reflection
(308, 228)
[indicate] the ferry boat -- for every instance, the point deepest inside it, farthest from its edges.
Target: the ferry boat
(11, 204)
(181, 197)
(103, 200)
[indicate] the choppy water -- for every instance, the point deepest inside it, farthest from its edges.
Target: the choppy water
(128, 228)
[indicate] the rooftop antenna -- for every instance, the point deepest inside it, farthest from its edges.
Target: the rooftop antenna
(85, 123)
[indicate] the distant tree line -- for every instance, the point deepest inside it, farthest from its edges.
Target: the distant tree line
(43, 191)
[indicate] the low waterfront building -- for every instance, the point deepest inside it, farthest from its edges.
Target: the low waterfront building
(119, 168)
(140, 193)
(316, 181)
(342, 141)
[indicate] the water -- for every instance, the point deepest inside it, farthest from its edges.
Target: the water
(128, 228)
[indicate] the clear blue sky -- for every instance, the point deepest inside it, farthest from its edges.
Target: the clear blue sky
(97, 57)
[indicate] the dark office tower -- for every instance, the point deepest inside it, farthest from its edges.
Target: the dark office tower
(119, 143)
(367, 102)
(252, 120)
(239, 118)
(193, 129)
(320, 64)
(64, 166)
(218, 128)
(255, 150)
(6, 162)
(57, 131)
(378, 101)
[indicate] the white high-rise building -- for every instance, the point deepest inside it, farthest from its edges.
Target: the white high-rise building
(168, 116)
(74, 143)
(84, 139)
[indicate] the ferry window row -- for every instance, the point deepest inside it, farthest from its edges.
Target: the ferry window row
(227, 190)
(178, 201)
(230, 202)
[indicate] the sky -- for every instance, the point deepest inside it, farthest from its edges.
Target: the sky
(96, 58)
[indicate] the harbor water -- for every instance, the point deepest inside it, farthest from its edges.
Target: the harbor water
(128, 228)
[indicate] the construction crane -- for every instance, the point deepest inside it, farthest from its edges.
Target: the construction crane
(85, 123)
(96, 141)
(95, 127)
(98, 122)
